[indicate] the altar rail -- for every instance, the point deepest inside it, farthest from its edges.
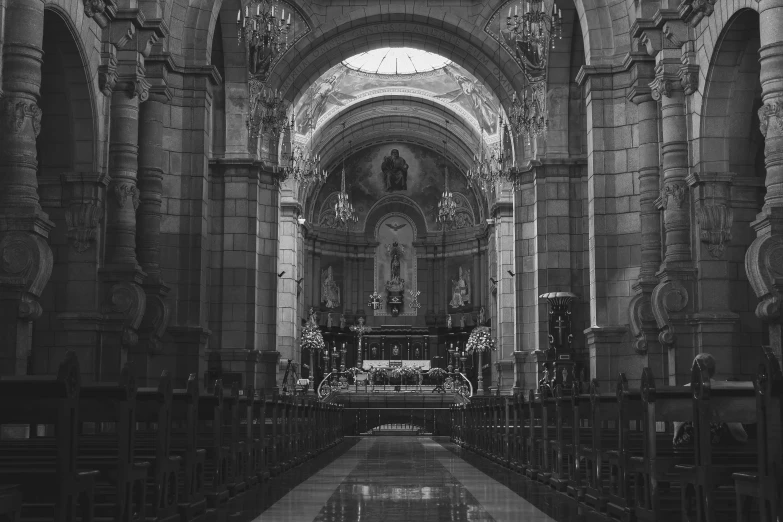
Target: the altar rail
(456, 383)
(113, 451)
(613, 451)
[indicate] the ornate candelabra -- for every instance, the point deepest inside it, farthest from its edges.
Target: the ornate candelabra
(560, 355)
(447, 207)
(360, 330)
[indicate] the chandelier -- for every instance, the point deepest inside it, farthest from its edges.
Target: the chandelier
(264, 28)
(535, 30)
(490, 163)
(343, 210)
(447, 207)
(267, 110)
(302, 164)
(528, 114)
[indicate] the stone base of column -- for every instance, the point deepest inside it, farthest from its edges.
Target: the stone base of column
(185, 353)
(716, 334)
(527, 366)
(240, 361)
(266, 372)
(81, 333)
(609, 355)
(507, 373)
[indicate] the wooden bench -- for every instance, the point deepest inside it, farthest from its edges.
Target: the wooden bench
(234, 452)
(561, 446)
(209, 419)
(582, 450)
(153, 445)
(184, 443)
(107, 417)
(657, 492)
(758, 495)
(604, 421)
(534, 438)
(251, 453)
(39, 415)
(260, 437)
(518, 452)
(708, 486)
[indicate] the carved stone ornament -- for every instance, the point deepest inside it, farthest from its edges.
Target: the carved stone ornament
(674, 190)
(689, 78)
(667, 298)
(771, 115)
(82, 220)
(25, 260)
(129, 300)
(661, 87)
(764, 266)
(156, 318)
(17, 112)
(30, 309)
(100, 10)
(715, 227)
(641, 318)
(107, 71)
(123, 191)
(693, 11)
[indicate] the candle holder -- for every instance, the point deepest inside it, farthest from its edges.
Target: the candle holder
(559, 364)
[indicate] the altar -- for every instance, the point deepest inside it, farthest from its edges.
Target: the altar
(424, 365)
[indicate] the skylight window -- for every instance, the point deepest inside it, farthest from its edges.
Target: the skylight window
(396, 60)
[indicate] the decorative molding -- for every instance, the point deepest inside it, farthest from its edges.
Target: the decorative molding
(689, 78)
(29, 309)
(677, 192)
(715, 227)
(122, 191)
(102, 11)
(128, 299)
(693, 11)
(668, 297)
(771, 113)
(25, 261)
(107, 71)
(157, 316)
(764, 266)
(642, 317)
(16, 112)
(660, 87)
(82, 220)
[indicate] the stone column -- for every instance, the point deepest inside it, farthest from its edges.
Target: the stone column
(26, 259)
(478, 280)
(150, 184)
(764, 258)
(349, 272)
(642, 321)
(430, 317)
(287, 257)
(361, 288)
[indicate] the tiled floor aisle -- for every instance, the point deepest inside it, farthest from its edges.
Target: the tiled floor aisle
(400, 479)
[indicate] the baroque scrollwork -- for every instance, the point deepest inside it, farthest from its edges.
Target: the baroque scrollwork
(123, 191)
(129, 300)
(16, 112)
(641, 318)
(667, 298)
(82, 220)
(764, 266)
(661, 87)
(156, 320)
(107, 71)
(715, 227)
(771, 115)
(26, 260)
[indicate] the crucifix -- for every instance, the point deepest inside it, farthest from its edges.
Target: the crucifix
(360, 329)
(560, 325)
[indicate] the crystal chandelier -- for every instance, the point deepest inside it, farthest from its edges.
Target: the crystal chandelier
(528, 114)
(343, 210)
(264, 28)
(447, 207)
(490, 163)
(535, 30)
(268, 110)
(302, 164)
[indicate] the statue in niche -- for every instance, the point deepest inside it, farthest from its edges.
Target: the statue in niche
(396, 350)
(416, 353)
(460, 293)
(448, 323)
(481, 317)
(462, 321)
(330, 292)
(342, 321)
(328, 320)
(395, 172)
(396, 283)
(374, 351)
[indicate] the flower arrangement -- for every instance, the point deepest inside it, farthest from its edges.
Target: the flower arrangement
(480, 340)
(311, 338)
(353, 371)
(437, 373)
(396, 373)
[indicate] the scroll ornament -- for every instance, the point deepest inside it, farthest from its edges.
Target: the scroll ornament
(156, 318)
(667, 298)
(26, 261)
(641, 316)
(694, 11)
(129, 300)
(764, 266)
(17, 112)
(715, 227)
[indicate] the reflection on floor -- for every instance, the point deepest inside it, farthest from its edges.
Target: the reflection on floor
(398, 479)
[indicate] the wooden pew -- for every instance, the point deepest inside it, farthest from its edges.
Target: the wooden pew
(518, 449)
(657, 492)
(582, 450)
(273, 416)
(260, 436)
(209, 418)
(107, 435)
(184, 435)
(234, 452)
(561, 446)
(153, 445)
(765, 487)
(41, 459)
(534, 443)
(708, 486)
(547, 433)
(604, 421)
(251, 449)
(10, 503)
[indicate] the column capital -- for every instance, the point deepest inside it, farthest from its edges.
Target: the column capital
(102, 11)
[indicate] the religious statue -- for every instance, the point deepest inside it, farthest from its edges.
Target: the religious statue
(396, 283)
(460, 293)
(416, 353)
(328, 320)
(481, 318)
(342, 321)
(330, 292)
(374, 351)
(396, 350)
(448, 323)
(395, 172)
(462, 321)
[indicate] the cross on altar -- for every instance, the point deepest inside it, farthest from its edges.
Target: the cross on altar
(560, 326)
(360, 329)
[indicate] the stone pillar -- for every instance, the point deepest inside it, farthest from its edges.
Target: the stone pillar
(764, 258)
(287, 260)
(349, 271)
(642, 321)
(361, 288)
(504, 326)
(430, 314)
(124, 298)
(151, 171)
(478, 281)
(672, 298)
(316, 304)
(24, 228)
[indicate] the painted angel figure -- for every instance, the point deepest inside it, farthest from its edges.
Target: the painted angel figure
(460, 293)
(317, 97)
(476, 97)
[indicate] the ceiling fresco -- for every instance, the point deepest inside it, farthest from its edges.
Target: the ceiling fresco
(403, 172)
(450, 85)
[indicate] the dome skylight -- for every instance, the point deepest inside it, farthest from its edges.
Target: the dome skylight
(396, 60)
